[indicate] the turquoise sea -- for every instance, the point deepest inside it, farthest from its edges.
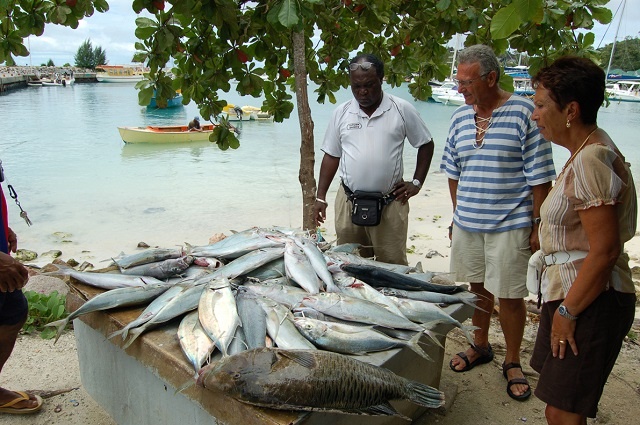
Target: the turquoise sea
(85, 190)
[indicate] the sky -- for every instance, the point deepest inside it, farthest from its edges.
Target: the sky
(114, 32)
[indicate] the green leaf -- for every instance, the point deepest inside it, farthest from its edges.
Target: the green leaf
(602, 15)
(145, 95)
(144, 33)
(288, 15)
(146, 22)
(505, 22)
(529, 10)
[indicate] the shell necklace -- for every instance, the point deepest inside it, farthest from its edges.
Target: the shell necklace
(576, 153)
(481, 129)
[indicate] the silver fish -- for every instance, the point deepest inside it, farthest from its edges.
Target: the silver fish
(253, 318)
(120, 297)
(299, 268)
(162, 269)
(318, 262)
(183, 302)
(218, 313)
(281, 328)
(290, 296)
(248, 262)
(103, 280)
(429, 314)
(468, 298)
(359, 289)
(313, 380)
(347, 258)
(150, 255)
(236, 245)
(350, 339)
(194, 341)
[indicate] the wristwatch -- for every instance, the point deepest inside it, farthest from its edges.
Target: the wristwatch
(562, 310)
(417, 183)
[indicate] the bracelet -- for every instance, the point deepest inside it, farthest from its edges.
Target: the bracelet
(322, 201)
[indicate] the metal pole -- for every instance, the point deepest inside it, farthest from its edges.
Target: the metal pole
(613, 48)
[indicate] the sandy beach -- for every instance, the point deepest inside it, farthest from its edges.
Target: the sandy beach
(475, 397)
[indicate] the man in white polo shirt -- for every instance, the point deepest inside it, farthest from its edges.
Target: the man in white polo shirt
(365, 140)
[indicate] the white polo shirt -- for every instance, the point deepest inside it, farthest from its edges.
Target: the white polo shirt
(370, 148)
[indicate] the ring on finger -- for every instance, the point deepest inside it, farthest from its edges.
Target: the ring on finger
(561, 342)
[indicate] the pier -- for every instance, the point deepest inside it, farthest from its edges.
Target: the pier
(17, 76)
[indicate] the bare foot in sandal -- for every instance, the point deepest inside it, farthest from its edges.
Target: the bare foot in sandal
(474, 356)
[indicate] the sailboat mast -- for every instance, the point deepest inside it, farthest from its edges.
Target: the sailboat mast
(453, 60)
(615, 39)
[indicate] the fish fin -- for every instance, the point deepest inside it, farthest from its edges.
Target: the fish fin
(382, 409)
(303, 358)
(135, 333)
(122, 332)
(413, 344)
(418, 267)
(467, 333)
(424, 395)
(431, 334)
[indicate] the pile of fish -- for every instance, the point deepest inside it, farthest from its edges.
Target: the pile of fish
(264, 288)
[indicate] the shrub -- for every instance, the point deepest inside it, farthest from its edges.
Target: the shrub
(43, 309)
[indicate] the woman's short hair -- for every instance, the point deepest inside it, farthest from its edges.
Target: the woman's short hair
(571, 78)
(482, 54)
(368, 57)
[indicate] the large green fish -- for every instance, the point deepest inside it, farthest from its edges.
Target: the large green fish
(313, 380)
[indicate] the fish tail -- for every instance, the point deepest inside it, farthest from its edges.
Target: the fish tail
(424, 395)
(413, 344)
(187, 384)
(467, 333)
(135, 333)
(59, 325)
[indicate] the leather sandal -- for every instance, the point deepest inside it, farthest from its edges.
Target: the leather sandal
(486, 355)
(522, 397)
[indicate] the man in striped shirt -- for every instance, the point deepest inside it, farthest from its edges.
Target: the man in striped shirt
(500, 170)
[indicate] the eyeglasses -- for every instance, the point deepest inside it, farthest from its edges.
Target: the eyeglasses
(364, 65)
(467, 83)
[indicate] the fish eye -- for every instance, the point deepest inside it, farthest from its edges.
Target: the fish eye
(236, 375)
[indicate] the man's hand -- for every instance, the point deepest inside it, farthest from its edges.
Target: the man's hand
(12, 239)
(405, 190)
(13, 275)
(319, 212)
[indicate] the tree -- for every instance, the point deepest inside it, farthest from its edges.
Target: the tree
(89, 57)
(50, 63)
(626, 55)
(212, 43)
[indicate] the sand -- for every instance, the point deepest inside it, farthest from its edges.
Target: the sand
(475, 397)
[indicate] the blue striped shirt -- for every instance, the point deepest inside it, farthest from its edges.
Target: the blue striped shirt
(495, 181)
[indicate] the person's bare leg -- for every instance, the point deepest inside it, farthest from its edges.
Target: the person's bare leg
(513, 315)
(557, 416)
(8, 336)
(480, 319)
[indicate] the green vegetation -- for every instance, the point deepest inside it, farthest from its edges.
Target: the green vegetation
(625, 57)
(89, 57)
(43, 309)
(50, 63)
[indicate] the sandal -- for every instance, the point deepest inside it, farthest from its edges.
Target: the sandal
(22, 396)
(523, 396)
(486, 355)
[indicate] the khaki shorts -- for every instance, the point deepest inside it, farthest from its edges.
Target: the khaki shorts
(387, 241)
(499, 260)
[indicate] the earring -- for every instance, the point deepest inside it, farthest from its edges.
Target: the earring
(568, 123)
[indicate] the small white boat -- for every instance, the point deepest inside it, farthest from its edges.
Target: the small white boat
(245, 113)
(452, 98)
(624, 91)
(165, 134)
(443, 89)
(59, 81)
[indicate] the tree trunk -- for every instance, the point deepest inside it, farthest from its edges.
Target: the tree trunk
(307, 153)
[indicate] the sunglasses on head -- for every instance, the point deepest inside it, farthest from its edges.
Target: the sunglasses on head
(364, 65)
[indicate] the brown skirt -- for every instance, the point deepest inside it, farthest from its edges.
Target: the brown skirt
(575, 383)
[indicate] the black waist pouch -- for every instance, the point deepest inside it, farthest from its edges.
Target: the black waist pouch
(367, 208)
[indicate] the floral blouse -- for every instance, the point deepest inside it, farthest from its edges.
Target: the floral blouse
(597, 176)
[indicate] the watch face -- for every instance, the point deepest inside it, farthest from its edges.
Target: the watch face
(562, 310)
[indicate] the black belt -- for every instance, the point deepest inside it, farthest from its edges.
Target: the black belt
(386, 198)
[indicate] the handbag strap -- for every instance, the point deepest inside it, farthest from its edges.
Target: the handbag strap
(387, 198)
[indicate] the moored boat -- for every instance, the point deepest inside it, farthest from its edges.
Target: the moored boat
(120, 74)
(624, 91)
(174, 102)
(451, 98)
(165, 134)
(59, 80)
(245, 113)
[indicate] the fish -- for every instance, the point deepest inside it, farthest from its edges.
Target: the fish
(299, 268)
(290, 296)
(248, 262)
(119, 297)
(280, 326)
(318, 262)
(253, 318)
(151, 255)
(468, 298)
(350, 339)
(162, 269)
(428, 313)
(347, 258)
(313, 380)
(379, 277)
(218, 313)
(236, 245)
(356, 288)
(103, 280)
(194, 341)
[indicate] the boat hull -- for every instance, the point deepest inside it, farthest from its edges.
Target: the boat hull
(171, 103)
(164, 134)
(119, 79)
